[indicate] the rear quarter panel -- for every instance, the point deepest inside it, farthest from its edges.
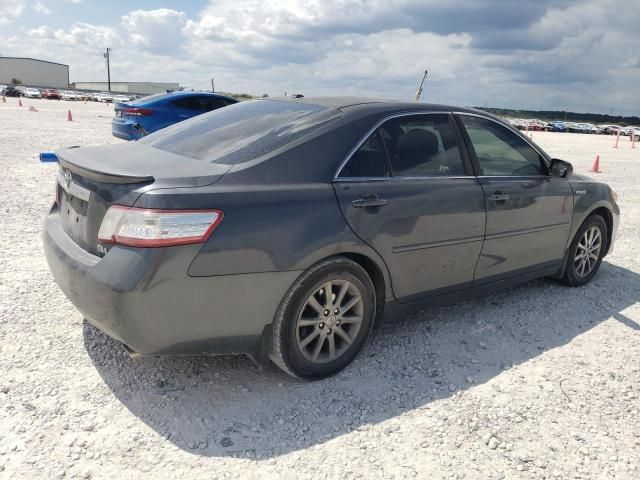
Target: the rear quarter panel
(266, 229)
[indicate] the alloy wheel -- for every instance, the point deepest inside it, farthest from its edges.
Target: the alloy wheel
(587, 252)
(329, 321)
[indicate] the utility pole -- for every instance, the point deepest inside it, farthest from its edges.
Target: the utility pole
(106, 55)
(212, 86)
(419, 92)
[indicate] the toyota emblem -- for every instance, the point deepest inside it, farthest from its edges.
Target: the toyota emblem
(67, 178)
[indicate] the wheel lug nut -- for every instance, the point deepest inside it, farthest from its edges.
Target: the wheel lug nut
(321, 325)
(336, 311)
(329, 332)
(326, 313)
(337, 322)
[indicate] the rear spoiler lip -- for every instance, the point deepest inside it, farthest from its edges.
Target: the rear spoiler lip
(101, 176)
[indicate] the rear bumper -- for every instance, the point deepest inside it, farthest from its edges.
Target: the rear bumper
(145, 298)
(126, 129)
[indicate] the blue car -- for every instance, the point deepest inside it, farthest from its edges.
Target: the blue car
(134, 120)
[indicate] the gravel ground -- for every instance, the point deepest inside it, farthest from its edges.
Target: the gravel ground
(538, 381)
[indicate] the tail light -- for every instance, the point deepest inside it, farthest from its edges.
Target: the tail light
(143, 227)
(137, 112)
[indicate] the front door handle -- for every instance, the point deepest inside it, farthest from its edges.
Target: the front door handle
(499, 197)
(370, 201)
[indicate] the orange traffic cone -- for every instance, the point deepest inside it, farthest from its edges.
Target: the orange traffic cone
(596, 165)
(32, 108)
(69, 117)
(19, 102)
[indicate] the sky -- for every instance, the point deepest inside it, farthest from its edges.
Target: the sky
(578, 55)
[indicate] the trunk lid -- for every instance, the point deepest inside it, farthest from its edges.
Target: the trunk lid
(91, 179)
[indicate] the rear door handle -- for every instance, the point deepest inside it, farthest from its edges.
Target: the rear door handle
(499, 197)
(370, 201)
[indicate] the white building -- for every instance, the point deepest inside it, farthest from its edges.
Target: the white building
(145, 88)
(33, 72)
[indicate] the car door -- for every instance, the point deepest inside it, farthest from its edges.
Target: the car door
(529, 212)
(409, 192)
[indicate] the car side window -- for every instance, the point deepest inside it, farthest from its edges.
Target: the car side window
(215, 103)
(197, 103)
(370, 160)
(499, 151)
(422, 146)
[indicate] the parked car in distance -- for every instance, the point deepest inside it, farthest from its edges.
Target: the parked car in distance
(134, 120)
(121, 98)
(32, 93)
(557, 127)
(67, 95)
(285, 228)
(610, 129)
(105, 97)
(51, 94)
(12, 91)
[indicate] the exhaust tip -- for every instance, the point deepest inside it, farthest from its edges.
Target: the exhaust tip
(133, 355)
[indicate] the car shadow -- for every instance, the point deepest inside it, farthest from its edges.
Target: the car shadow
(223, 406)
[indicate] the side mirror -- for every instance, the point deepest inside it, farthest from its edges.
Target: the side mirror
(560, 168)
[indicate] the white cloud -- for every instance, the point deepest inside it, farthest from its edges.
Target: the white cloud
(156, 31)
(39, 7)
(79, 36)
(566, 53)
(10, 10)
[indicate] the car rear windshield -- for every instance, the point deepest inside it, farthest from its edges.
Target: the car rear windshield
(241, 132)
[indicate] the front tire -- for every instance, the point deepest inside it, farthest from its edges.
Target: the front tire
(586, 252)
(324, 319)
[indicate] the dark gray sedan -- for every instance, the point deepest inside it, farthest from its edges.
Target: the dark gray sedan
(285, 228)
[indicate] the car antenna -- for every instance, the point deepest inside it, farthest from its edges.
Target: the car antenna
(419, 92)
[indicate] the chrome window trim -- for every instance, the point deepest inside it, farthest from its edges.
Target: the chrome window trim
(513, 176)
(361, 179)
(434, 177)
(373, 129)
(514, 130)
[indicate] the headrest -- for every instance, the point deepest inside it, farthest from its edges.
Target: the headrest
(418, 141)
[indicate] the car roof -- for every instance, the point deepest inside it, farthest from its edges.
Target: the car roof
(377, 103)
(161, 97)
(193, 92)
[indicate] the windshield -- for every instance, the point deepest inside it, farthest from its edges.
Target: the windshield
(241, 132)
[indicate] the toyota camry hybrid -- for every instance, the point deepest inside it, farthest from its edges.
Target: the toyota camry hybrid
(285, 228)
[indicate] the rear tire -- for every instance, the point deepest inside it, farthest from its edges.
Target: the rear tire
(586, 252)
(316, 334)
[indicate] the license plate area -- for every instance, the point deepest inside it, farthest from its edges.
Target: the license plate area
(73, 215)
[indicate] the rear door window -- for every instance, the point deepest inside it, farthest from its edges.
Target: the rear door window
(215, 103)
(422, 146)
(370, 160)
(195, 103)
